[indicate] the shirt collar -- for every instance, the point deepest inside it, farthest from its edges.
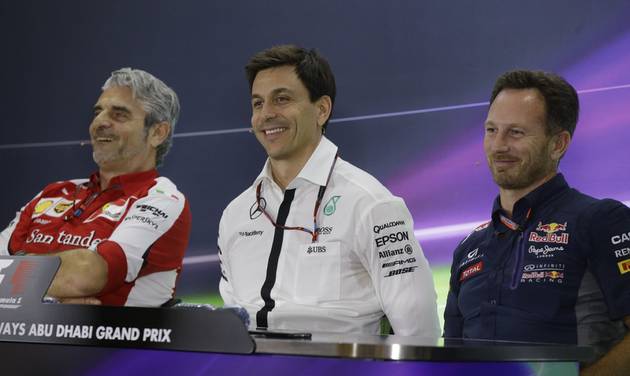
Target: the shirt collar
(315, 170)
(128, 183)
(532, 200)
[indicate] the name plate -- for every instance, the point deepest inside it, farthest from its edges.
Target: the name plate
(24, 281)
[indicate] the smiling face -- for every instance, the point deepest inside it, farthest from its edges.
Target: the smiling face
(520, 153)
(285, 121)
(119, 140)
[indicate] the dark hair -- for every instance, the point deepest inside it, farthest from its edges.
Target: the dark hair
(562, 106)
(311, 68)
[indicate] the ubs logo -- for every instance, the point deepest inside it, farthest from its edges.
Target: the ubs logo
(256, 210)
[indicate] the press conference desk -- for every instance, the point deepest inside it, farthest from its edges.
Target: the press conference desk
(323, 354)
(41, 339)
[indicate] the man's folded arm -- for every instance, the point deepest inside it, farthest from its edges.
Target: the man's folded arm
(82, 273)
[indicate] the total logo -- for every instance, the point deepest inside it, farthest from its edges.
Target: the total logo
(470, 271)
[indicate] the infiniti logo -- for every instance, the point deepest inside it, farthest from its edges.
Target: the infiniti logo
(255, 211)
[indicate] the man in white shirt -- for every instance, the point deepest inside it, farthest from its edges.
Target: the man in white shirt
(316, 243)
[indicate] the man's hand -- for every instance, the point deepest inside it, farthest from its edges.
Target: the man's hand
(83, 273)
(615, 362)
(86, 300)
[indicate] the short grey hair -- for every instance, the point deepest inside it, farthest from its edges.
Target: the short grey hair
(158, 100)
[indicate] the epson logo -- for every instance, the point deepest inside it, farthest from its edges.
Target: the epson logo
(392, 238)
(399, 262)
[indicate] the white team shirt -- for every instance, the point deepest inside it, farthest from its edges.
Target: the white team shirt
(366, 263)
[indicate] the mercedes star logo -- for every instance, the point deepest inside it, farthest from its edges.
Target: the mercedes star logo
(255, 211)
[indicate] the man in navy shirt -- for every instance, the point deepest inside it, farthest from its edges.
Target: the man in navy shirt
(553, 264)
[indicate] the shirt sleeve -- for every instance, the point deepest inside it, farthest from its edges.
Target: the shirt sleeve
(399, 271)
(225, 286)
(12, 237)
(152, 237)
(608, 229)
(453, 319)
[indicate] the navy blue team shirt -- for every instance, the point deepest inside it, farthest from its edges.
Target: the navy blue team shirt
(557, 271)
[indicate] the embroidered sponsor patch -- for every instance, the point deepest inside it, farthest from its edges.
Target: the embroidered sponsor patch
(552, 227)
(621, 238)
(552, 233)
(471, 270)
(545, 251)
(561, 238)
(623, 252)
(42, 206)
(624, 266)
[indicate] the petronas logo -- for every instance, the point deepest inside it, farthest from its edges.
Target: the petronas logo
(331, 205)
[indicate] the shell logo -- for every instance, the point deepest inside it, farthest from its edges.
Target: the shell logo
(42, 206)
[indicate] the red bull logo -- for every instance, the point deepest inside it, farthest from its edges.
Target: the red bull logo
(562, 238)
(552, 227)
(554, 274)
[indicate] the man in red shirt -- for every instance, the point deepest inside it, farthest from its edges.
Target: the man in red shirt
(122, 233)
